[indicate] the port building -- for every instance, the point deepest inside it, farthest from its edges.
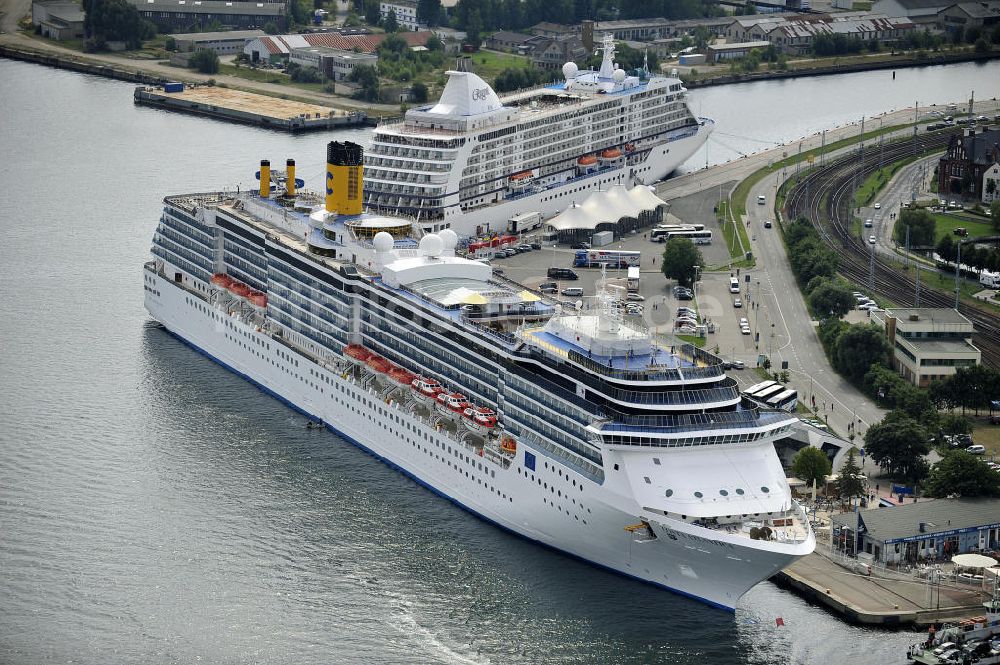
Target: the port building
(928, 344)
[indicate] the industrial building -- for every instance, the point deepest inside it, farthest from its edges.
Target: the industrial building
(333, 64)
(223, 43)
(921, 530)
(174, 15)
(58, 19)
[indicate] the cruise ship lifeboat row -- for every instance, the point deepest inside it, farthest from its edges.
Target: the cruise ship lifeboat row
(426, 390)
(521, 181)
(452, 405)
(240, 290)
(481, 420)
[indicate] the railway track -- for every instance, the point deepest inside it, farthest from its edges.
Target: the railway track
(825, 196)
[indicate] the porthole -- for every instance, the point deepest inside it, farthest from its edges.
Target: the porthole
(723, 492)
(656, 461)
(669, 492)
(764, 490)
(698, 495)
(739, 491)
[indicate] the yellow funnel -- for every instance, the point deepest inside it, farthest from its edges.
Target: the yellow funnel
(344, 179)
(290, 177)
(265, 178)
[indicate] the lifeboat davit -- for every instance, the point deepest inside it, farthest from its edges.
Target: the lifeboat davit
(426, 390)
(629, 147)
(356, 353)
(611, 154)
(222, 280)
(401, 376)
(508, 445)
(452, 405)
(378, 363)
(481, 420)
(587, 160)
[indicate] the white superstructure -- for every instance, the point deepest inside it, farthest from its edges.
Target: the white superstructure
(577, 428)
(473, 160)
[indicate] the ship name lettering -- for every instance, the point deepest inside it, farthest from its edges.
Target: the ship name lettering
(479, 94)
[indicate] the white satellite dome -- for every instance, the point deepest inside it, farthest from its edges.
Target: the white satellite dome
(570, 70)
(382, 242)
(619, 75)
(449, 239)
(431, 245)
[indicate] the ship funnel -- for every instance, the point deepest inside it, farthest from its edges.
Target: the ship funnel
(265, 178)
(344, 177)
(290, 178)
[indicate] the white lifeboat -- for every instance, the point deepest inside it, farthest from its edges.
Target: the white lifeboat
(480, 420)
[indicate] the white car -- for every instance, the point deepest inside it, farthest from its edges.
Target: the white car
(870, 306)
(745, 330)
(737, 302)
(634, 297)
(877, 206)
(869, 223)
(743, 321)
(871, 240)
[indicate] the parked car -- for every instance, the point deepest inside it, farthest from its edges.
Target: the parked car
(524, 248)
(685, 295)
(686, 310)
(634, 297)
(562, 273)
(738, 364)
(572, 291)
(580, 245)
(536, 245)
(977, 449)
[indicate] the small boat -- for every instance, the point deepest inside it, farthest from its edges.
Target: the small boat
(401, 376)
(258, 299)
(481, 420)
(378, 363)
(521, 180)
(240, 289)
(356, 354)
(587, 160)
(314, 424)
(426, 390)
(221, 280)
(452, 405)
(508, 445)
(611, 154)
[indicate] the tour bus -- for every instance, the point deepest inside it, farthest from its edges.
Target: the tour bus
(702, 237)
(768, 393)
(757, 387)
(786, 400)
(659, 233)
(613, 258)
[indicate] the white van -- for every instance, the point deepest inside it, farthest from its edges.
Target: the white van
(734, 285)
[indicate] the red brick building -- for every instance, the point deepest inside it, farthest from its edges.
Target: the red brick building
(961, 169)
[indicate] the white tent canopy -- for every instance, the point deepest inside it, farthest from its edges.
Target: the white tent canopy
(606, 207)
(973, 561)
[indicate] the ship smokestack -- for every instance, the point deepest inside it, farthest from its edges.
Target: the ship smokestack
(290, 177)
(344, 177)
(265, 178)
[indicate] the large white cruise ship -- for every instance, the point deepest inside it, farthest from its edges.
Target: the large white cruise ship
(576, 427)
(473, 160)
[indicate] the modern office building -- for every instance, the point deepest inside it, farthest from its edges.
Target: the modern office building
(928, 344)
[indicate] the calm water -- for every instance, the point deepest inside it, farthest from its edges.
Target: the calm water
(156, 509)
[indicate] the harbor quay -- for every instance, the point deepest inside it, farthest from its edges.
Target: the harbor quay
(246, 107)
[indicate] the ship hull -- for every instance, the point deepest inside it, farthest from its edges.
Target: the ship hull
(563, 511)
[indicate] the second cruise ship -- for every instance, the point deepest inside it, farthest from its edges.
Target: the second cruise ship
(473, 160)
(576, 426)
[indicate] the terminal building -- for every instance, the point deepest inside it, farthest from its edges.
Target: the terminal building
(618, 210)
(915, 531)
(928, 344)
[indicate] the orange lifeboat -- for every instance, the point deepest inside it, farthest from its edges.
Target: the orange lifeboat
(508, 445)
(258, 299)
(240, 289)
(356, 353)
(378, 363)
(222, 280)
(587, 160)
(402, 376)
(611, 153)
(523, 175)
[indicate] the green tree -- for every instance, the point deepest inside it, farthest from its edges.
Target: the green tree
(170, 44)
(434, 43)
(922, 231)
(858, 348)
(372, 12)
(391, 24)
(830, 299)
(681, 259)
(367, 77)
(946, 248)
(995, 212)
(205, 61)
(811, 464)
(982, 46)
(898, 444)
(429, 12)
(850, 485)
(963, 474)
(952, 423)
(115, 20)
(271, 28)
(418, 92)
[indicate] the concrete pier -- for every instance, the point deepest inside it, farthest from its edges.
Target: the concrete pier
(249, 108)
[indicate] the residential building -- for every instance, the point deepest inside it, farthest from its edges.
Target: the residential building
(721, 52)
(969, 156)
(914, 531)
(174, 15)
(223, 43)
(928, 344)
(333, 64)
(991, 184)
(554, 52)
(406, 12)
(922, 12)
(964, 15)
(58, 19)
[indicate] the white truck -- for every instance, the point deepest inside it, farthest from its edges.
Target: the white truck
(990, 280)
(523, 222)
